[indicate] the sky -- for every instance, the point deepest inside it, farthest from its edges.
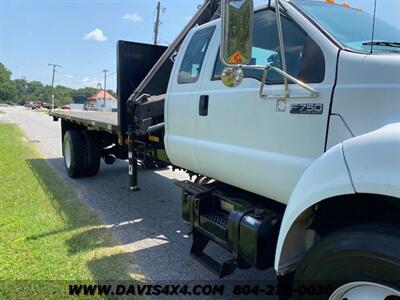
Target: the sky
(81, 35)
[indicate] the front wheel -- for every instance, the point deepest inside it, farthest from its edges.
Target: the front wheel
(356, 263)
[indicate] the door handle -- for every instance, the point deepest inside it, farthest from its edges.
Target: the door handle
(203, 105)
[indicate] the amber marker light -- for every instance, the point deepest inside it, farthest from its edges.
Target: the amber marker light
(236, 58)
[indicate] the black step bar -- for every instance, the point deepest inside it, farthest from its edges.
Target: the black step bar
(200, 242)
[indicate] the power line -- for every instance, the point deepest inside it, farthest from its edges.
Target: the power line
(97, 58)
(52, 83)
(78, 74)
(83, 75)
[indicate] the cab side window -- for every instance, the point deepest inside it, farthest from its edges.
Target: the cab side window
(193, 59)
(304, 58)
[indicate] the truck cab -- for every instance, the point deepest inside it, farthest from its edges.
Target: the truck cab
(230, 134)
(234, 136)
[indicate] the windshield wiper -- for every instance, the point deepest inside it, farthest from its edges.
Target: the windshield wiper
(380, 43)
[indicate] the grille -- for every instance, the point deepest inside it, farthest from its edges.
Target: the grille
(218, 218)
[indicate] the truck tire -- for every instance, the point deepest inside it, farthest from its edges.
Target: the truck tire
(92, 153)
(74, 153)
(359, 262)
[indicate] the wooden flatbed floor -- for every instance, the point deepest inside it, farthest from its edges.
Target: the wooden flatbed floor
(98, 120)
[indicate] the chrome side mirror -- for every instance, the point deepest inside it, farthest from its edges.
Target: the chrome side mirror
(232, 77)
(237, 32)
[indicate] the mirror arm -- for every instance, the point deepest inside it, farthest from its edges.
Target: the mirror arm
(263, 82)
(281, 45)
(313, 92)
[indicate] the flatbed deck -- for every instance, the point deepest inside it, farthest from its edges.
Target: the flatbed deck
(106, 121)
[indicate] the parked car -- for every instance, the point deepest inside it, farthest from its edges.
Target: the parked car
(66, 106)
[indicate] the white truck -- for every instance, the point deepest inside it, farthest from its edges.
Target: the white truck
(289, 118)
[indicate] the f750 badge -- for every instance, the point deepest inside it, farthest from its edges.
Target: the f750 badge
(307, 109)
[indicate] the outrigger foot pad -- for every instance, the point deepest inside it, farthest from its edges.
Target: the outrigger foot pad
(134, 189)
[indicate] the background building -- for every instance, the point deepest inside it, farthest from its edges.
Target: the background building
(97, 100)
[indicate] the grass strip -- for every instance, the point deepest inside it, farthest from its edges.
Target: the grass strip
(48, 237)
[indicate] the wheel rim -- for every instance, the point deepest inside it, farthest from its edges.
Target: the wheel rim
(365, 291)
(67, 154)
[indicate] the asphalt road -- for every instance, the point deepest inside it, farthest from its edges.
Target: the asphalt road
(149, 221)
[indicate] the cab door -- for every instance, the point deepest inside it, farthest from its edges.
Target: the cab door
(264, 146)
(183, 96)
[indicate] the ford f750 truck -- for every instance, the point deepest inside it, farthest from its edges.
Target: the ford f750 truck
(288, 116)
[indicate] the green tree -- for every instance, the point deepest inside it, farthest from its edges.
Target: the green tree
(18, 91)
(62, 95)
(22, 95)
(36, 92)
(112, 93)
(7, 86)
(81, 95)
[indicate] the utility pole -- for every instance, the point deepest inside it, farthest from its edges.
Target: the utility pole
(157, 24)
(105, 88)
(52, 83)
(26, 88)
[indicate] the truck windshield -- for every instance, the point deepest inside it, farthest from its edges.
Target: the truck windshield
(353, 27)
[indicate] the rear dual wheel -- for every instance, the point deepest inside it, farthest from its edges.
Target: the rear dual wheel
(81, 153)
(92, 153)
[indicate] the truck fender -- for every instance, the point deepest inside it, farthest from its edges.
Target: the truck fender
(374, 161)
(327, 177)
(366, 164)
